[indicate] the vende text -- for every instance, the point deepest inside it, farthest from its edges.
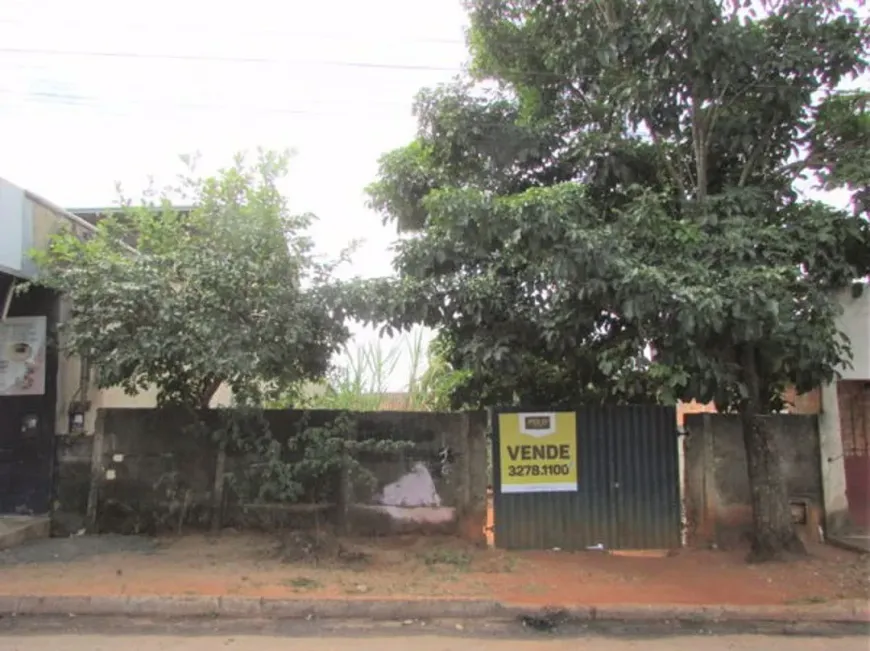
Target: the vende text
(535, 452)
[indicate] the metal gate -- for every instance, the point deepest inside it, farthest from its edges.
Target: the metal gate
(597, 476)
(854, 403)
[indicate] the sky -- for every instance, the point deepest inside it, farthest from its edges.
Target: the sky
(97, 92)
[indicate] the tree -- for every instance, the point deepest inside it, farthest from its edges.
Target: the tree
(840, 146)
(628, 184)
(228, 292)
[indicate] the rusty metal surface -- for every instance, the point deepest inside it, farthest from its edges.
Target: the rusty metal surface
(628, 487)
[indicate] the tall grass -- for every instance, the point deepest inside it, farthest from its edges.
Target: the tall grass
(360, 380)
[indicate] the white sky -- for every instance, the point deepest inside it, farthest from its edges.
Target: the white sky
(332, 80)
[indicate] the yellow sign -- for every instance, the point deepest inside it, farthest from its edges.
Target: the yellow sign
(538, 452)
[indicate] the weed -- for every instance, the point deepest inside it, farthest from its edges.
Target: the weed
(455, 557)
(303, 583)
(805, 601)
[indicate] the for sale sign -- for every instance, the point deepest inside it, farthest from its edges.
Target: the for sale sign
(538, 452)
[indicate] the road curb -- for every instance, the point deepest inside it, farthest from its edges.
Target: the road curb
(230, 607)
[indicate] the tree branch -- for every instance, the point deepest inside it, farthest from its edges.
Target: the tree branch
(699, 138)
(755, 155)
(209, 387)
(715, 111)
(667, 161)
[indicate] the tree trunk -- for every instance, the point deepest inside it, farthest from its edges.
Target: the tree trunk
(773, 535)
(210, 387)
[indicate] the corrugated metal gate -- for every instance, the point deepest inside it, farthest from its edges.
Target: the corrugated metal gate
(598, 475)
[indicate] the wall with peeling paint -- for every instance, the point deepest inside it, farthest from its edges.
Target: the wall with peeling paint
(154, 473)
(717, 498)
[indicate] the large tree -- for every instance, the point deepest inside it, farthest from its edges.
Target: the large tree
(620, 175)
(226, 292)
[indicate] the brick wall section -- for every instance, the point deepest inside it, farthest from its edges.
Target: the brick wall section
(156, 472)
(796, 403)
(685, 409)
(717, 484)
(803, 403)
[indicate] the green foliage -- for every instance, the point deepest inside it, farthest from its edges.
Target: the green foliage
(326, 451)
(629, 185)
(359, 381)
(840, 146)
(438, 387)
(229, 292)
(307, 466)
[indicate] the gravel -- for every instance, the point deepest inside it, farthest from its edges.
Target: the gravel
(65, 550)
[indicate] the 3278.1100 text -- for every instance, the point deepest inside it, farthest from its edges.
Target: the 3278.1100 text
(536, 470)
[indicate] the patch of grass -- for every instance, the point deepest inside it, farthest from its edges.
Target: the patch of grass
(303, 583)
(454, 557)
(806, 601)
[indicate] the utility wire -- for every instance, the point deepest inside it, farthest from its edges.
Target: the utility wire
(198, 28)
(222, 59)
(124, 109)
(87, 100)
(155, 56)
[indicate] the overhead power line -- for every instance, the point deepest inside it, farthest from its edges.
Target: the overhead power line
(130, 106)
(199, 30)
(157, 56)
(223, 59)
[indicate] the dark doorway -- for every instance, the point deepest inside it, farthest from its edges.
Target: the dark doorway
(27, 422)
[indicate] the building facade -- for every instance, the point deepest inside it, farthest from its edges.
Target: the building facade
(44, 393)
(844, 423)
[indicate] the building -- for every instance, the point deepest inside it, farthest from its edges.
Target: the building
(37, 387)
(43, 393)
(844, 424)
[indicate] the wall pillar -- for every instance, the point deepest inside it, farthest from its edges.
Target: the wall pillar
(833, 467)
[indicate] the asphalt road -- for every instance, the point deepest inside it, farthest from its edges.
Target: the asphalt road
(418, 643)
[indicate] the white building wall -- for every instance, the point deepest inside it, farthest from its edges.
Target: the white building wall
(11, 227)
(855, 324)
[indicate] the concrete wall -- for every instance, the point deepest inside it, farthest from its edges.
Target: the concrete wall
(12, 222)
(72, 477)
(718, 506)
(855, 324)
(155, 473)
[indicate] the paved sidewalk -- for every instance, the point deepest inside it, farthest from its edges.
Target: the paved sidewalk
(414, 578)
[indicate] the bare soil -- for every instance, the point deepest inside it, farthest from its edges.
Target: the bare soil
(302, 566)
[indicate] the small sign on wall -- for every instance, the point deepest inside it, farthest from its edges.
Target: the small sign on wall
(538, 452)
(22, 356)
